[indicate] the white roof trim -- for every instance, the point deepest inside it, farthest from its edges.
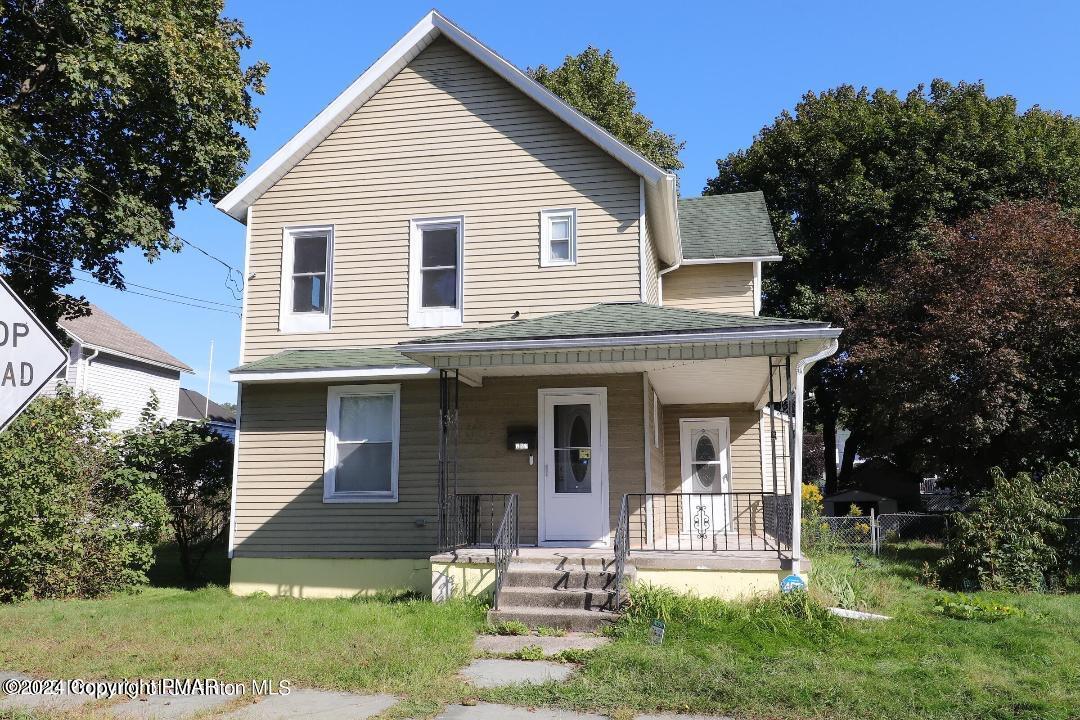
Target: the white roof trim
(732, 259)
(386, 67)
(375, 373)
(716, 336)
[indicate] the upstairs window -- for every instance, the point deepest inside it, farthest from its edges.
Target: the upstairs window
(558, 237)
(306, 279)
(435, 277)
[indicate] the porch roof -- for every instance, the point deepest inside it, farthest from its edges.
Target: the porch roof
(621, 320)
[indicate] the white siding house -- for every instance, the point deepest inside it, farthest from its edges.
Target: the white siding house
(112, 361)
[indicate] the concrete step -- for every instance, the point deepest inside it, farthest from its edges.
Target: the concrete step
(531, 597)
(567, 561)
(567, 619)
(529, 575)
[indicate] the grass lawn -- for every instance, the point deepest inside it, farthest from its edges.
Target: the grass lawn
(747, 659)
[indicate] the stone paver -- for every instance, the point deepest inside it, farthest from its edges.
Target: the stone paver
(64, 701)
(509, 644)
(166, 707)
(492, 711)
(499, 673)
(315, 705)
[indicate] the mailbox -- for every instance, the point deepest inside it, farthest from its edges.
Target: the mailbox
(521, 439)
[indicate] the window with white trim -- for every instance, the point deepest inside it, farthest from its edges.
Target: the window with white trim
(558, 237)
(362, 435)
(435, 271)
(306, 261)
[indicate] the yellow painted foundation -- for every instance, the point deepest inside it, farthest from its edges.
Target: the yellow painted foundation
(724, 584)
(328, 577)
(461, 580)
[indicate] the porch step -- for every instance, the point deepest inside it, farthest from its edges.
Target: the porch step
(530, 575)
(536, 598)
(565, 619)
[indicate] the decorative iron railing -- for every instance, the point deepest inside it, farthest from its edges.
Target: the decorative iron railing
(622, 551)
(707, 522)
(505, 544)
(472, 519)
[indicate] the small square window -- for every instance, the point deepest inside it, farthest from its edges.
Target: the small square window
(558, 237)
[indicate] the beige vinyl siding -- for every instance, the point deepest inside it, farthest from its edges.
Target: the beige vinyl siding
(446, 137)
(724, 287)
(654, 434)
(745, 443)
(279, 508)
(652, 270)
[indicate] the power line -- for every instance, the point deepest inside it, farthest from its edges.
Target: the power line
(235, 288)
(126, 282)
(230, 309)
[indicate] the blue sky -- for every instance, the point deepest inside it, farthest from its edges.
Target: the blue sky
(712, 73)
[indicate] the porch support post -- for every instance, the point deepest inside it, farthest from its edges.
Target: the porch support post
(797, 450)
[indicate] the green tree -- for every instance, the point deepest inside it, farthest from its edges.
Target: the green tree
(112, 114)
(191, 466)
(75, 521)
(855, 178)
(589, 82)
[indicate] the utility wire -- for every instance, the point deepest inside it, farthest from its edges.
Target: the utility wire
(11, 249)
(232, 285)
(229, 309)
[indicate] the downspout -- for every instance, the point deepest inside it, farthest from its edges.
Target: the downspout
(796, 481)
(83, 376)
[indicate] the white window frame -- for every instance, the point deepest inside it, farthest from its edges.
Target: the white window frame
(334, 394)
(546, 216)
(300, 322)
(421, 317)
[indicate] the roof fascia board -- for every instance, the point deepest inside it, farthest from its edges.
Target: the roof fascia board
(723, 336)
(137, 358)
(732, 259)
(378, 373)
(235, 203)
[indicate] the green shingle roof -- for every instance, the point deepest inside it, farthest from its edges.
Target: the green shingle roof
(726, 226)
(330, 359)
(619, 319)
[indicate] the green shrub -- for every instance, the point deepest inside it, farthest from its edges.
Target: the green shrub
(970, 607)
(74, 520)
(1014, 539)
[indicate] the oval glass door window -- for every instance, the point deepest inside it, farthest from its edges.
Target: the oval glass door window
(573, 448)
(705, 462)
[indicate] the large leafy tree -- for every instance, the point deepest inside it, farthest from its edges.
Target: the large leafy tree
(589, 82)
(856, 178)
(112, 114)
(965, 357)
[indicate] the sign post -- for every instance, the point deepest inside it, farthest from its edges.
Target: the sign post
(29, 355)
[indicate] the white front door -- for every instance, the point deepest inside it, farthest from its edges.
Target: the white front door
(706, 470)
(573, 466)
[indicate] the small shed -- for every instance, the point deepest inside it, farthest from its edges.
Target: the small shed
(840, 503)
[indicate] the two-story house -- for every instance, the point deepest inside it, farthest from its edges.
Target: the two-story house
(484, 341)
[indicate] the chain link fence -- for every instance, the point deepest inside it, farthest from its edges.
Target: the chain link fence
(872, 532)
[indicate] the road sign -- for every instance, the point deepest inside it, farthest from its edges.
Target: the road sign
(29, 355)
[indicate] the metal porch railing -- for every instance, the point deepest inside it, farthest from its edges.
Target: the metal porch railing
(473, 519)
(506, 544)
(708, 522)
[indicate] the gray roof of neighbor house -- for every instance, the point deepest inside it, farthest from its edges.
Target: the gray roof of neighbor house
(101, 330)
(617, 320)
(330, 359)
(191, 405)
(726, 226)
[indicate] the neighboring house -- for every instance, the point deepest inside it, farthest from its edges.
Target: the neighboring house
(193, 406)
(840, 503)
(110, 360)
(471, 309)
